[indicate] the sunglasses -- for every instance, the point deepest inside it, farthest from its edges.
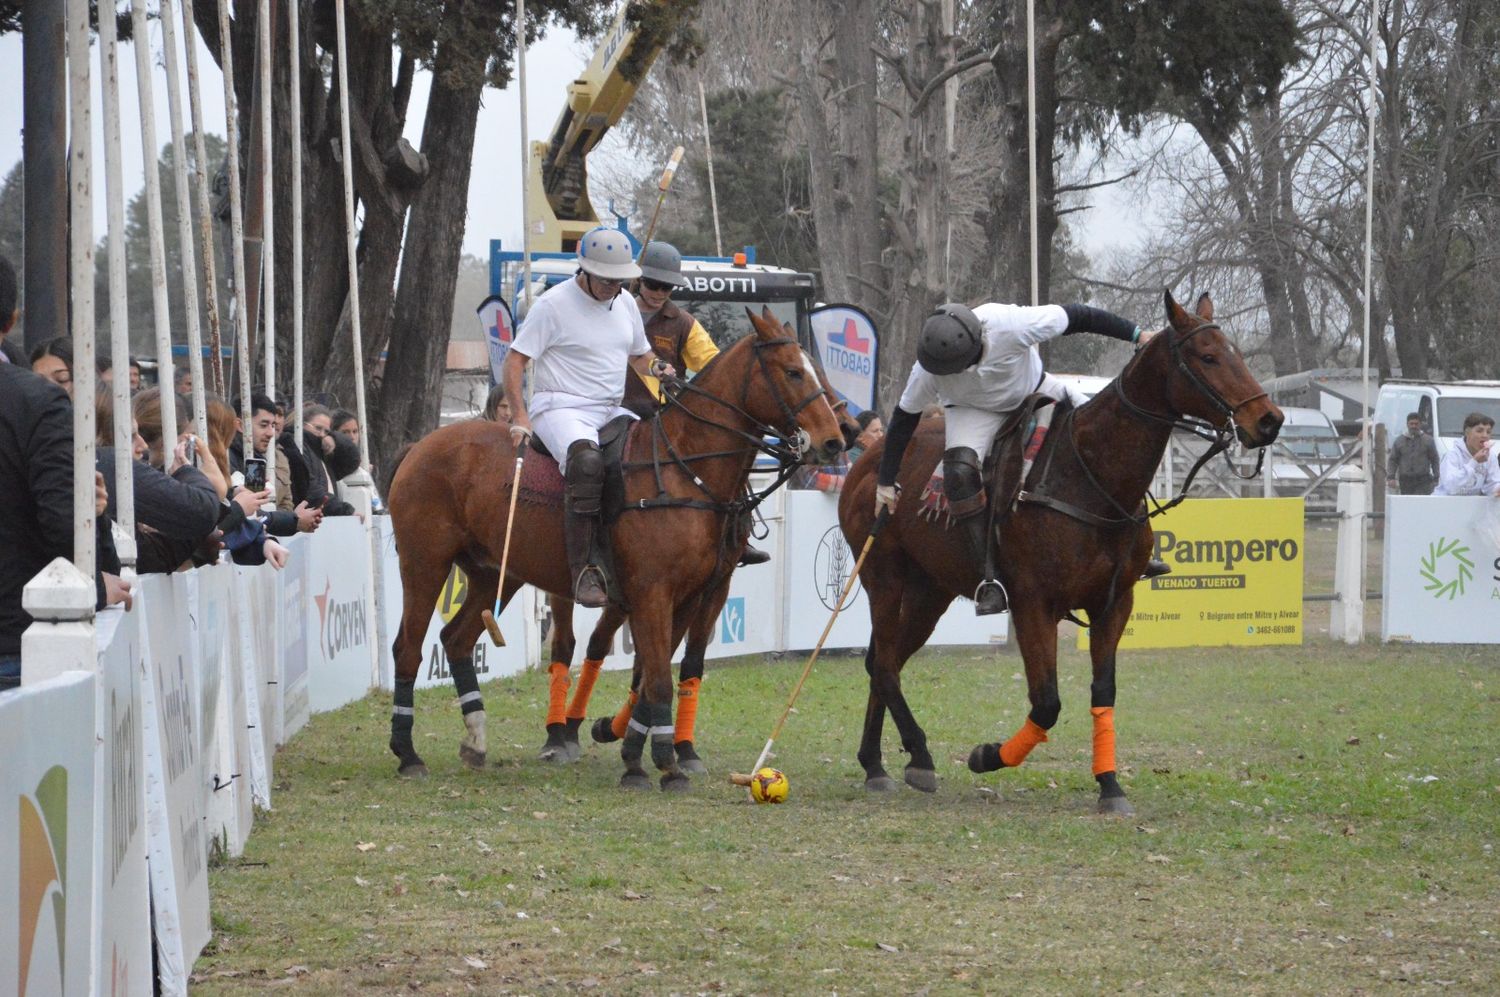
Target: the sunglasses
(656, 285)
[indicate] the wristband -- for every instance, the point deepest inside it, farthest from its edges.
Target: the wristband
(1135, 337)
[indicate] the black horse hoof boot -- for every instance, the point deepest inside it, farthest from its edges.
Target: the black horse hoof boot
(1156, 568)
(603, 731)
(754, 555)
(990, 598)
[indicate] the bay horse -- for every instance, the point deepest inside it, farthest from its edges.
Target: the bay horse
(562, 736)
(684, 480)
(1077, 537)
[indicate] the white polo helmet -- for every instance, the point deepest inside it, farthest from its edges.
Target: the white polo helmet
(605, 252)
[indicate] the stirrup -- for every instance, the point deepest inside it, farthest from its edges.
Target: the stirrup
(591, 588)
(990, 598)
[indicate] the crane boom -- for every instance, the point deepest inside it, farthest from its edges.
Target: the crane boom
(558, 189)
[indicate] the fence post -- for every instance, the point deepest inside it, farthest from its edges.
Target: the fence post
(358, 489)
(60, 639)
(1347, 619)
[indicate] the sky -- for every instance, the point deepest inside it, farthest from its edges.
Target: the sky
(494, 192)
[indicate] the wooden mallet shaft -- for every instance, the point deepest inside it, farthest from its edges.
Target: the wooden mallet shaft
(510, 520)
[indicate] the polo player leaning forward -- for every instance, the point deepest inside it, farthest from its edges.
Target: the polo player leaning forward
(979, 365)
(581, 335)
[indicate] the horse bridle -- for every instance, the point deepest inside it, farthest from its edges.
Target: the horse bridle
(788, 453)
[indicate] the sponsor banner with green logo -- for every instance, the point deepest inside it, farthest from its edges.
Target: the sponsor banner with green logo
(1441, 580)
(1236, 577)
(47, 842)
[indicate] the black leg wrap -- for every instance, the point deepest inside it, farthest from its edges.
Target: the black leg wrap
(403, 716)
(603, 731)
(466, 683)
(986, 758)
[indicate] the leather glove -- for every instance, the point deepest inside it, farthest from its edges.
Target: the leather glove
(886, 497)
(660, 369)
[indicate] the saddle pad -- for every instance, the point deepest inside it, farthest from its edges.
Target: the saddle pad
(541, 481)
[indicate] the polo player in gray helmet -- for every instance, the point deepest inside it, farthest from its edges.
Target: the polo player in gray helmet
(580, 336)
(979, 364)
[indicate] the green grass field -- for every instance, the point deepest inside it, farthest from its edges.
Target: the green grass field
(1318, 819)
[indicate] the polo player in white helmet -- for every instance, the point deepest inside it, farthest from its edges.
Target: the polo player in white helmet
(581, 335)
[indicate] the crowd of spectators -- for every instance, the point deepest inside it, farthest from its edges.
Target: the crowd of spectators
(192, 506)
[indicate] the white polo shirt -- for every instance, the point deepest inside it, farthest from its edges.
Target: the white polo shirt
(1009, 367)
(579, 346)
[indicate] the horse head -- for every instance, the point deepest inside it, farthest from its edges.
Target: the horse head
(1206, 376)
(789, 393)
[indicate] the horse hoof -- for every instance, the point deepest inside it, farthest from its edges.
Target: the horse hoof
(413, 770)
(555, 750)
(603, 731)
(985, 758)
(570, 740)
(675, 782)
(571, 751)
(473, 759)
(923, 779)
(688, 760)
(881, 784)
(635, 780)
(1116, 806)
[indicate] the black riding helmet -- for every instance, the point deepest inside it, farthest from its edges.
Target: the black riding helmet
(952, 340)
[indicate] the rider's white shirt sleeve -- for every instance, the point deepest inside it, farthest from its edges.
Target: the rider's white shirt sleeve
(537, 329)
(1027, 326)
(920, 392)
(638, 344)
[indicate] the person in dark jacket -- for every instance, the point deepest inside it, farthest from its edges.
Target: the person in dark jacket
(36, 494)
(328, 457)
(301, 516)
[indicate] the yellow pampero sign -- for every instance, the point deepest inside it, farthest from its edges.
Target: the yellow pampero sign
(1236, 577)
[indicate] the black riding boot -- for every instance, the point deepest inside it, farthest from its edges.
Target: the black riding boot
(754, 555)
(1156, 568)
(964, 487)
(585, 485)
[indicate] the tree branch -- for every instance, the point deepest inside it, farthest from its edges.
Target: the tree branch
(973, 62)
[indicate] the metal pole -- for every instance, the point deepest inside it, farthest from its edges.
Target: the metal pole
(205, 213)
(294, 13)
(1036, 284)
(236, 225)
(268, 225)
(119, 319)
(185, 222)
(45, 166)
(81, 278)
(160, 308)
(525, 154)
(708, 152)
(1369, 244)
(349, 239)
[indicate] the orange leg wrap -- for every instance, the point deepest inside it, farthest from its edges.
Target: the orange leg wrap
(557, 693)
(579, 707)
(1014, 751)
(687, 708)
(1104, 739)
(622, 719)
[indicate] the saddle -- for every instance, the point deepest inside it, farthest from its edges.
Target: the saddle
(542, 481)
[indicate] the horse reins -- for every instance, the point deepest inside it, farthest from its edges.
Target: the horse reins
(1220, 437)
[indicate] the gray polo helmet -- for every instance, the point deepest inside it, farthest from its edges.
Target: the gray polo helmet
(661, 261)
(605, 252)
(952, 339)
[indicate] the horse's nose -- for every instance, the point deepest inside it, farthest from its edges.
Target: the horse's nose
(830, 449)
(1269, 425)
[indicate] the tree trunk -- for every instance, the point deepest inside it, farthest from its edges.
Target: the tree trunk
(411, 391)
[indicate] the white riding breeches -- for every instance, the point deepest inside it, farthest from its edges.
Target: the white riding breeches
(560, 426)
(976, 428)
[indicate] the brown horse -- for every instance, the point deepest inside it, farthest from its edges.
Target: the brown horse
(1077, 539)
(562, 738)
(448, 504)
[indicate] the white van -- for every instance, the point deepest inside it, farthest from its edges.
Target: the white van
(1442, 405)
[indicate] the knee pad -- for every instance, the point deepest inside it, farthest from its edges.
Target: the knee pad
(585, 477)
(963, 483)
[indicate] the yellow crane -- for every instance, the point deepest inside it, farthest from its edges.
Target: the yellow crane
(558, 188)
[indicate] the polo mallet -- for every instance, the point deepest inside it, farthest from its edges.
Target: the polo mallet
(740, 778)
(510, 520)
(662, 185)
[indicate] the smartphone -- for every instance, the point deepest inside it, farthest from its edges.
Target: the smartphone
(255, 474)
(190, 450)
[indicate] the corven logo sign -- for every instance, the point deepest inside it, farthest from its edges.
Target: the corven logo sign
(341, 624)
